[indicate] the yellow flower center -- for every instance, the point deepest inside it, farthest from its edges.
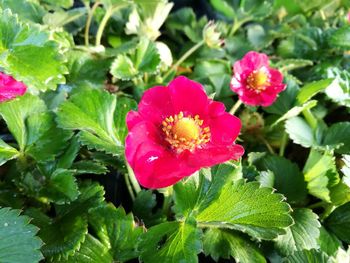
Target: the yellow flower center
(258, 80)
(185, 133)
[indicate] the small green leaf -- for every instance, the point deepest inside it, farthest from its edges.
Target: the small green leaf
(124, 105)
(339, 89)
(24, 9)
(7, 152)
(248, 208)
(291, 64)
(219, 243)
(337, 136)
(341, 38)
(90, 251)
(171, 242)
(302, 235)
(116, 231)
(223, 7)
(309, 256)
(338, 222)
(89, 167)
(18, 243)
(144, 59)
(300, 132)
(328, 242)
(311, 89)
(92, 112)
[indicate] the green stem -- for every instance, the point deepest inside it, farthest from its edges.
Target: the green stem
(268, 146)
(283, 144)
(129, 187)
(88, 22)
(184, 57)
(310, 118)
(235, 107)
(133, 180)
(102, 26)
(317, 205)
(237, 24)
(167, 200)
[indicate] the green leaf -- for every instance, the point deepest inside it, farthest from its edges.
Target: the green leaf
(219, 243)
(124, 105)
(91, 251)
(291, 64)
(328, 242)
(266, 178)
(24, 9)
(311, 89)
(61, 187)
(59, 3)
(116, 230)
(341, 38)
(339, 89)
(302, 235)
(309, 256)
(300, 132)
(89, 167)
(338, 222)
(16, 112)
(18, 240)
(248, 208)
(28, 55)
(7, 152)
(171, 242)
(92, 112)
(288, 180)
(337, 136)
(144, 59)
(320, 173)
(223, 7)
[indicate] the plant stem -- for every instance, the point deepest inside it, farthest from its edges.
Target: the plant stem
(268, 146)
(311, 120)
(102, 26)
(235, 107)
(167, 199)
(283, 144)
(184, 57)
(133, 180)
(88, 22)
(129, 187)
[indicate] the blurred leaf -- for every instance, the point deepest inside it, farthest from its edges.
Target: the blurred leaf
(144, 59)
(224, 244)
(266, 178)
(92, 112)
(311, 89)
(300, 132)
(60, 18)
(89, 167)
(171, 242)
(291, 64)
(338, 222)
(224, 7)
(310, 256)
(18, 240)
(339, 89)
(28, 55)
(7, 152)
(328, 242)
(24, 9)
(302, 235)
(288, 180)
(59, 3)
(116, 230)
(341, 38)
(124, 105)
(337, 137)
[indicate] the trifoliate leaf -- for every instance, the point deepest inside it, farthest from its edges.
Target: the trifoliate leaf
(222, 243)
(171, 242)
(116, 230)
(302, 235)
(144, 59)
(338, 222)
(320, 173)
(90, 251)
(92, 112)
(288, 180)
(248, 208)
(337, 136)
(28, 55)
(18, 240)
(309, 256)
(300, 132)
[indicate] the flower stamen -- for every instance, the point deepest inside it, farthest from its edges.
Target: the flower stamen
(185, 132)
(258, 80)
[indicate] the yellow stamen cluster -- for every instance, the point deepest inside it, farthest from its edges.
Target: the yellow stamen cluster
(258, 81)
(185, 133)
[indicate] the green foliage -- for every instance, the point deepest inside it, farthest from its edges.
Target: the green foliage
(311, 89)
(18, 240)
(312, 256)
(338, 220)
(337, 136)
(300, 132)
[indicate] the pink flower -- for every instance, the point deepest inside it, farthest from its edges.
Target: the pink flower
(254, 81)
(176, 131)
(10, 88)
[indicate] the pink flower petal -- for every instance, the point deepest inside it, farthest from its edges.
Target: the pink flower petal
(224, 129)
(10, 88)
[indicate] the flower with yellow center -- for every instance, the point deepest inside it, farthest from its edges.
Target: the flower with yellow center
(258, 80)
(185, 133)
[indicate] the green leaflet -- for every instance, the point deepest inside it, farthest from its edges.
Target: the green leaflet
(18, 240)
